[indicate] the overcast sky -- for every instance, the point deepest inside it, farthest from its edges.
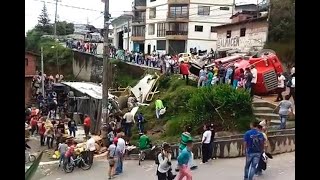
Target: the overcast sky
(75, 10)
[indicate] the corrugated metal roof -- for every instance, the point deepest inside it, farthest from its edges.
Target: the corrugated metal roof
(91, 89)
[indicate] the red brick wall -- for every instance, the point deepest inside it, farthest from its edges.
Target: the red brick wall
(30, 64)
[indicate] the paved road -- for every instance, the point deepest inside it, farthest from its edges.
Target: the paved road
(282, 167)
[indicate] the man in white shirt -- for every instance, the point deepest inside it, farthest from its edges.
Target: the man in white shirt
(91, 148)
(254, 73)
(129, 121)
(281, 87)
(140, 98)
(206, 138)
(121, 147)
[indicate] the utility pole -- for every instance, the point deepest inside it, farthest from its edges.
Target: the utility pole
(106, 53)
(128, 36)
(55, 21)
(42, 73)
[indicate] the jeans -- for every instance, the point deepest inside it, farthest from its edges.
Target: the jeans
(119, 168)
(127, 129)
(140, 127)
(235, 84)
(72, 131)
(158, 113)
(49, 142)
(283, 121)
(252, 162)
(211, 150)
(201, 81)
(61, 158)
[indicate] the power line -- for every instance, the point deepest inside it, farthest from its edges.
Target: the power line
(69, 6)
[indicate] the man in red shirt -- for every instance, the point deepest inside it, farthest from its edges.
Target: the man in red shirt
(33, 123)
(184, 70)
(86, 124)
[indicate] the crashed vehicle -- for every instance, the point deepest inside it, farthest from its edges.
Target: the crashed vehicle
(267, 64)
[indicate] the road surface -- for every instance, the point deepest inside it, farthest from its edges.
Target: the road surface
(282, 167)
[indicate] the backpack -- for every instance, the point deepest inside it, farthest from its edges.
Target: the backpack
(256, 143)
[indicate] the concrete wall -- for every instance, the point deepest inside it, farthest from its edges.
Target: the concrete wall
(233, 146)
(255, 36)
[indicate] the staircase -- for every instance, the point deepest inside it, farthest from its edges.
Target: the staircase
(264, 110)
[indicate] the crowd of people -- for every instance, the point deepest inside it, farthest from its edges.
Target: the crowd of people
(87, 47)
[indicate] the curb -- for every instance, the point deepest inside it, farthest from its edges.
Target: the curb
(57, 162)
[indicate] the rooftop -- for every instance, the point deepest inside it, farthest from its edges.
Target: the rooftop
(243, 22)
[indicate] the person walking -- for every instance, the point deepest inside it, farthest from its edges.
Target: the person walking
(202, 77)
(254, 146)
(112, 156)
(86, 125)
(129, 121)
(91, 148)
(62, 148)
(206, 139)
(159, 106)
(184, 70)
(183, 159)
(121, 148)
(42, 130)
(285, 107)
(72, 125)
(164, 167)
(140, 122)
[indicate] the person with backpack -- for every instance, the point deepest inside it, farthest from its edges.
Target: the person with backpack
(254, 146)
(164, 170)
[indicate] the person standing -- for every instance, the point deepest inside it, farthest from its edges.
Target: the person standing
(140, 122)
(183, 159)
(121, 148)
(221, 72)
(112, 156)
(248, 80)
(42, 130)
(285, 107)
(254, 146)
(209, 77)
(72, 125)
(281, 87)
(129, 121)
(236, 78)
(164, 167)
(140, 98)
(184, 70)
(262, 163)
(86, 125)
(159, 106)
(33, 124)
(206, 139)
(292, 86)
(62, 148)
(91, 148)
(202, 77)
(254, 73)
(211, 145)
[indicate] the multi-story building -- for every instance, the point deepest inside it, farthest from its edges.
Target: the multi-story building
(122, 31)
(175, 26)
(138, 24)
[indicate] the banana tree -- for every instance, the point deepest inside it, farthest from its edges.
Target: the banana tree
(33, 168)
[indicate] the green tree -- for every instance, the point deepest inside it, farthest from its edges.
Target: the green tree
(281, 37)
(64, 28)
(44, 22)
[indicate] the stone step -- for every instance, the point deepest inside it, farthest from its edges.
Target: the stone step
(276, 125)
(266, 115)
(262, 103)
(263, 110)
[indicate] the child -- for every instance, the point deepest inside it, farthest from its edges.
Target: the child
(63, 147)
(70, 151)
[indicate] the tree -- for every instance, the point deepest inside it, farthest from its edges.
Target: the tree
(44, 22)
(64, 28)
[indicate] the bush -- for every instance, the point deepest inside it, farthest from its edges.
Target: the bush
(221, 104)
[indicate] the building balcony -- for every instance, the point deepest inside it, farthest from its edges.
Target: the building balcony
(136, 21)
(177, 35)
(139, 5)
(178, 1)
(179, 18)
(138, 38)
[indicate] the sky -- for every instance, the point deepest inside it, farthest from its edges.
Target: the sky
(81, 11)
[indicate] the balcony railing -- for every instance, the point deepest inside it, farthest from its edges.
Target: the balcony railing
(175, 33)
(178, 16)
(139, 19)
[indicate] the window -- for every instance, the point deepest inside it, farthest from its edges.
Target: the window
(242, 32)
(224, 8)
(178, 11)
(138, 31)
(229, 34)
(204, 10)
(151, 29)
(177, 29)
(161, 44)
(213, 29)
(26, 61)
(152, 13)
(139, 16)
(198, 28)
(161, 30)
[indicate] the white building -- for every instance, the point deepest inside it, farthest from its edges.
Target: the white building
(122, 32)
(176, 26)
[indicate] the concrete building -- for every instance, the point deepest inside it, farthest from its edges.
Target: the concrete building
(30, 61)
(122, 31)
(139, 25)
(244, 35)
(176, 26)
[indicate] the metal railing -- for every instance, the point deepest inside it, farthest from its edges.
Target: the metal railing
(170, 33)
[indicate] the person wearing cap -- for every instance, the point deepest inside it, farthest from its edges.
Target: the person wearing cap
(183, 160)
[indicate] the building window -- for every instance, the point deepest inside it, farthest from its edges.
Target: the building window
(161, 44)
(139, 16)
(213, 29)
(242, 32)
(161, 30)
(204, 10)
(152, 13)
(229, 34)
(138, 31)
(198, 28)
(178, 11)
(151, 29)
(177, 29)
(224, 8)
(26, 61)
